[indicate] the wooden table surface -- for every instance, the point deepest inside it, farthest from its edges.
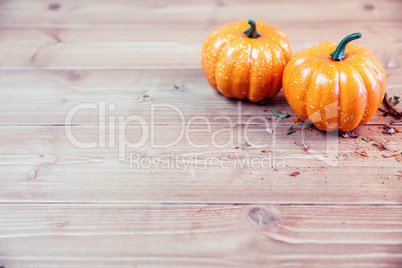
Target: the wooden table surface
(115, 151)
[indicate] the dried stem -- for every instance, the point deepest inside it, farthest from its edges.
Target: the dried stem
(391, 110)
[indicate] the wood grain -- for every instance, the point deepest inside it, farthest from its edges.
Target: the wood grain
(105, 235)
(39, 164)
(105, 13)
(90, 35)
(88, 49)
(62, 205)
(46, 97)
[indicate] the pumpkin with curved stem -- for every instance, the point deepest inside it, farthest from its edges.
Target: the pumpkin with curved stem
(336, 87)
(246, 63)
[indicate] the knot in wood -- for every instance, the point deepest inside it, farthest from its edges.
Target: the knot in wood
(262, 216)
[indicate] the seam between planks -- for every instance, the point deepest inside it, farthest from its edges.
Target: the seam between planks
(170, 203)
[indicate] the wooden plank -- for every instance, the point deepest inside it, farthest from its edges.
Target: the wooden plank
(377, 36)
(100, 13)
(58, 43)
(87, 49)
(382, 39)
(46, 97)
(40, 164)
(121, 235)
(65, 205)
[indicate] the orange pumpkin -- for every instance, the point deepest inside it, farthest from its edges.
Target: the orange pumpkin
(246, 63)
(336, 87)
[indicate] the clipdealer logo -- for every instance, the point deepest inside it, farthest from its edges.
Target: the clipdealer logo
(199, 160)
(112, 129)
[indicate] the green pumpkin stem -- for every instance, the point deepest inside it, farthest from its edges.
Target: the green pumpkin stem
(252, 31)
(339, 53)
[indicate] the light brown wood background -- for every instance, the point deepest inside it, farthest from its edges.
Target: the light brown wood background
(63, 206)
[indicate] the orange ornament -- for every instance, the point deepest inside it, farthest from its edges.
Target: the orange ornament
(246, 63)
(336, 87)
